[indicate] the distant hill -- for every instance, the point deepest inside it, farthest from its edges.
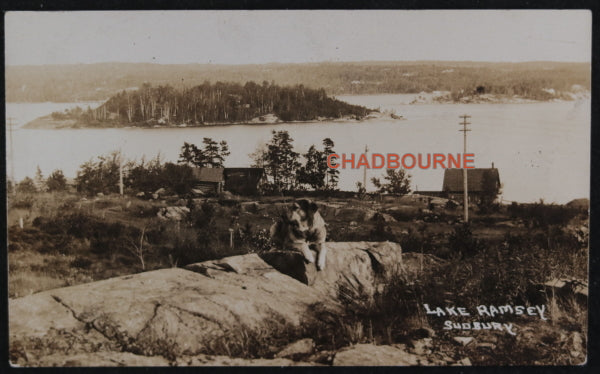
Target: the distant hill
(91, 82)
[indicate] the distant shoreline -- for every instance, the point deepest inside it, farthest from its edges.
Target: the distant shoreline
(47, 123)
(436, 98)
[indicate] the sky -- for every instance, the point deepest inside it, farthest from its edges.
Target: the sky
(255, 37)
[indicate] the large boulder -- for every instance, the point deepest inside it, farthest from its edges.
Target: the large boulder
(358, 214)
(169, 312)
(174, 213)
(352, 266)
(162, 316)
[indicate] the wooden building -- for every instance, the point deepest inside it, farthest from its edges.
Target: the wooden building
(208, 180)
(244, 181)
(480, 181)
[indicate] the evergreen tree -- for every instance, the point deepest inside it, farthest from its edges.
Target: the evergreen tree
(331, 175)
(99, 176)
(27, 185)
(313, 172)
(40, 182)
(213, 154)
(281, 162)
(56, 181)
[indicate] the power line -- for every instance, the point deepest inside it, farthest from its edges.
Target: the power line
(464, 130)
(365, 170)
(12, 155)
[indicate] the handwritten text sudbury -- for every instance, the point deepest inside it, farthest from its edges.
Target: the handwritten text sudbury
(485, 311)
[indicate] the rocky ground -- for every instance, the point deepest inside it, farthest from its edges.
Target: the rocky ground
(267, 307)
(173, 316)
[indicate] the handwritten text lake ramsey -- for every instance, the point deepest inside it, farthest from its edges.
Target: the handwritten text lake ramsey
(485, 311)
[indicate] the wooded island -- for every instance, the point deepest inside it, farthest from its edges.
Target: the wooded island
(208, 104)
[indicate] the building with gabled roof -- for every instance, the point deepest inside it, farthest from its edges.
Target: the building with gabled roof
(208, 180)
(479, 180)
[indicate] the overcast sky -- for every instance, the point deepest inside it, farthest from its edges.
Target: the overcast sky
(242, 37)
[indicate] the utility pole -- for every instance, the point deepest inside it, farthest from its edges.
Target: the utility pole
(121, 172)
(12, 156)
(464, 124)
(365, 171)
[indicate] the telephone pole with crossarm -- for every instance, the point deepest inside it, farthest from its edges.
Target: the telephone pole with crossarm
(464, 130)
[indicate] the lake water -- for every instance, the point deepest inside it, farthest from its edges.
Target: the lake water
(542, 150)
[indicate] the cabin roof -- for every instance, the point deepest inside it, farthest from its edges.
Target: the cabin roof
(214, 175)
(254, 172)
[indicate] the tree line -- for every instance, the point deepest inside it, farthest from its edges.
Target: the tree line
(285, 170)
(68, 83)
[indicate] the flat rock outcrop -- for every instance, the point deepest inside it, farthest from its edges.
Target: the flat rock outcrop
(179, 316)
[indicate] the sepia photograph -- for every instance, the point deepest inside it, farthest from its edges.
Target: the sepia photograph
(298, 187)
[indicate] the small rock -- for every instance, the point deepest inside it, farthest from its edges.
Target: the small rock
(322, 357)
(160, 191)
(140, 194)
(99, 194)
(463, 340)
(491, 346)
(421, 346)
(383, 217)
(197, 192)
(464, 362)
(578, 342)
(295, 350)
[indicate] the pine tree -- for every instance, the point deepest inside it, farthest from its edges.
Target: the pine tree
(40, 182)
(213, 154)
(56, 181)
(331, 175)
(281, 162)
(313, 172)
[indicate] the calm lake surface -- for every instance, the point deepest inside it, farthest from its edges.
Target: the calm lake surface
(542, 150)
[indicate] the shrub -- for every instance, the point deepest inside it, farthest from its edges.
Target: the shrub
(462, 242)
(381, 231)
(542, 215)
(81, 262)
(56, 181)
(99, 176)
(417, 241)
(181, 244)
(26, 186)
(21, 201)
(178, 178)
(254, 241)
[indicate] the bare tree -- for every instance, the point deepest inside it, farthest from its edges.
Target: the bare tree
(138, 249)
